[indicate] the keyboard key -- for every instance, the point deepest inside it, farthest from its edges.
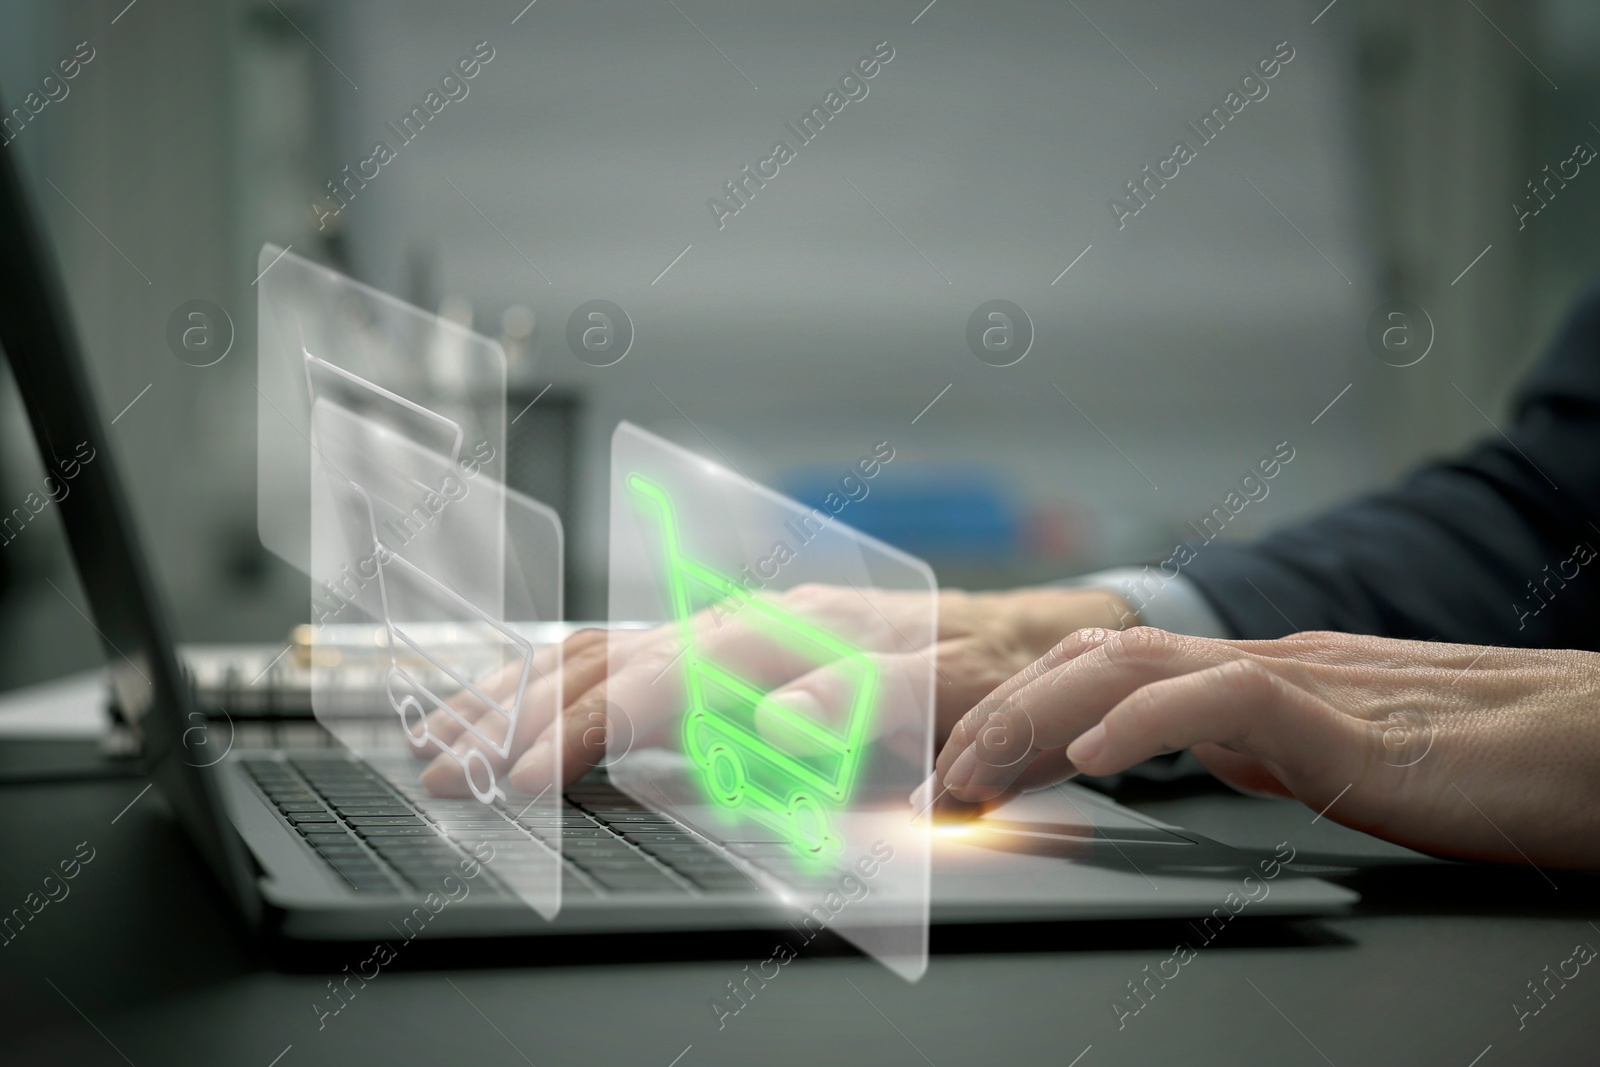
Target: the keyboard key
(729, 879)
(695, 868)
(701, 849)
(385, 820)
(651, 842)
(604, 852)
(331, 841)
(406, 843)
(429, 877)
(427, 882)
(547, 832)
(444, 862)
(608, 859)
(398, 856)
(610, 863)
(504, 863)
(258, 766)
(339, 852)
(488, 842)
(402, 860)
(627, 883)
(415, 855)
(432, 872)
(687, 853)
(311, 816)
(433, 865)
(511, 852)
(354, 867)
(518, 863)
(397, 831)
(582, 792)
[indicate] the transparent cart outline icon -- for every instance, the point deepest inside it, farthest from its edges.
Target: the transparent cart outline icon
(413, 716)
(739, 769)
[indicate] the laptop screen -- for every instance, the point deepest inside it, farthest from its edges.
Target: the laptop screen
(38, 340)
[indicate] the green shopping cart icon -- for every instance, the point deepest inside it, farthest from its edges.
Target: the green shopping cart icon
(740, 766)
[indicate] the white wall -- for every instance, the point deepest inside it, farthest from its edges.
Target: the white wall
(806, 329)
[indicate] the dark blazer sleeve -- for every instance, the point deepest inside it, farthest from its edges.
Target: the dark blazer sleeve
(1498, 546)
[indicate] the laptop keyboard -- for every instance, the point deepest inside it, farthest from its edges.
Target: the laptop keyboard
(381, 840)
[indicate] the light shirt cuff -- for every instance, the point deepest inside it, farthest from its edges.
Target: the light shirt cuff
(1172, 604)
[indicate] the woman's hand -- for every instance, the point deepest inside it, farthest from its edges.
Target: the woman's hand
(980, 641)
(1482, 753)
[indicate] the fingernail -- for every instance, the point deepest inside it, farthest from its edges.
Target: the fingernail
(1088, 744)
(962, 769)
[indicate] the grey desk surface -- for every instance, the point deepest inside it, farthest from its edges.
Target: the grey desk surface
(142, 964)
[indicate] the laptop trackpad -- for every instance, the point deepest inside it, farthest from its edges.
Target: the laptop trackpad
(1061, 819)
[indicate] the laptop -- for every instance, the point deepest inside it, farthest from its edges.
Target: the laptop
(311, 842)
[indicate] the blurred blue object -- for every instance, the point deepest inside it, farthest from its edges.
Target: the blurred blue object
(935, 513)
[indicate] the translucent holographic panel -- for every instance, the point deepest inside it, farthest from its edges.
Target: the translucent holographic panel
(408, 670)
(321, 334)
(781, 701)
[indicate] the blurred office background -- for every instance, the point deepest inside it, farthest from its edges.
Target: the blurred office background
(825, 316)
